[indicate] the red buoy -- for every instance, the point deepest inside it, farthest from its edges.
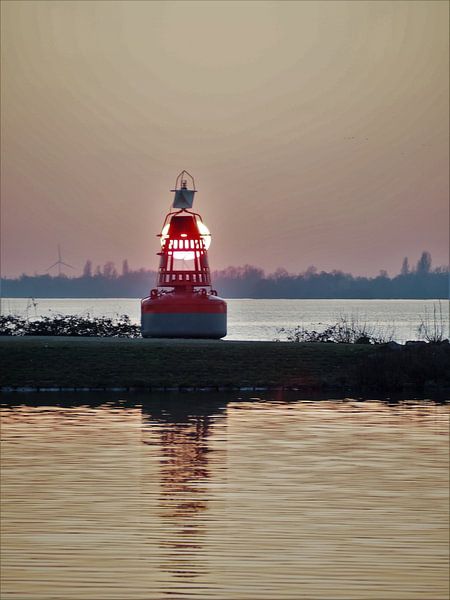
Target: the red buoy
(184, 304)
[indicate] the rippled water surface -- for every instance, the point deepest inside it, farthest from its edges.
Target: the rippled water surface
(207, 497)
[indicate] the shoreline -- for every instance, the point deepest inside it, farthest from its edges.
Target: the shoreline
(82, 364)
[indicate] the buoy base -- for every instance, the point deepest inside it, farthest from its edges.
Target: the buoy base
(184, 315)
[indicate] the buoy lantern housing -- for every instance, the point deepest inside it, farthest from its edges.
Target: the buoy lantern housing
(184, 305)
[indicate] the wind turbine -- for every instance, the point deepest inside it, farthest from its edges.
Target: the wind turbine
(59, 262)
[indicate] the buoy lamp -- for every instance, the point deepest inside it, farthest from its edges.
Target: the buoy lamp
(184, 304)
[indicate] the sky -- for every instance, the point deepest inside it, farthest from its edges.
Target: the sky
(317, 132)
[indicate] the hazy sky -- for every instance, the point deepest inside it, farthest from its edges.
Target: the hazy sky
(317, 131)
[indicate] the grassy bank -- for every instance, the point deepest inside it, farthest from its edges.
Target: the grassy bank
(143, 363)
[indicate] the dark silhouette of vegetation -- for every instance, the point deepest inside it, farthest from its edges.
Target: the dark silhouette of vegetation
(424, 264)
(60, 325)
(405, 267)
(432, 326)
(349, 329)
(241, 282)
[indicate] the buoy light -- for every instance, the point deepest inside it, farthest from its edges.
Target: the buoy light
(187, 241)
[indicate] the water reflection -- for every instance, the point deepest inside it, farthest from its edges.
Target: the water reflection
(210, 498)
(181, 430)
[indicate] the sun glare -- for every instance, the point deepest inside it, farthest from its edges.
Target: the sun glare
(204, 234)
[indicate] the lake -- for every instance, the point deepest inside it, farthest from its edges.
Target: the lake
(223, 497)
(259, 319)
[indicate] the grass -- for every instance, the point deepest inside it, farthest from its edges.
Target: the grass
(109, 362)
(121, 362)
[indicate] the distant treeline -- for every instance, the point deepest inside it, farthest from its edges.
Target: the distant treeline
(421, 281)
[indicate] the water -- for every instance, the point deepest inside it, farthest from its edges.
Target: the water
(215, 498)
(258, 319)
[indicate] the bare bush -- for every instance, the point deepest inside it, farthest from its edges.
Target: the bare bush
(432, 327)
(348, 329)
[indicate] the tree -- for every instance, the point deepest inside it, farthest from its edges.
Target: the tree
(109, 270)
(405, 266)
(424, 263)
(280, 273)
(251, 273)
(87, 270)
(125, 268)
